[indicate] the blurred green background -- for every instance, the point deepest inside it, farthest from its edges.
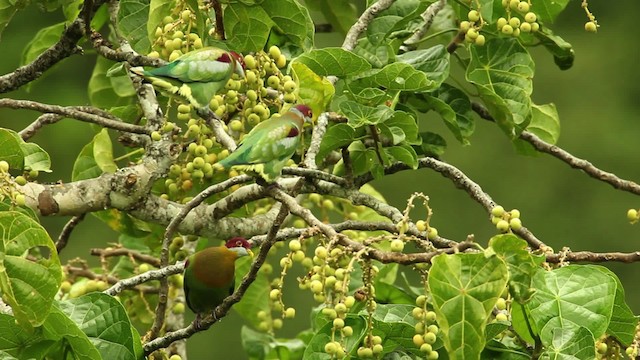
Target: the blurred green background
(598, 101)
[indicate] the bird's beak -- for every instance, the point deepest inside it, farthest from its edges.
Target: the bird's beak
(239, 70)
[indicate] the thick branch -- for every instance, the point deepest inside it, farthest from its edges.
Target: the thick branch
(587, 256)
(133, 281)
(110, 252)
(318, 133)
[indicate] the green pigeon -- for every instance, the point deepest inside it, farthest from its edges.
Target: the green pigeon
(196, 76)
(269, 145)
(209, 275)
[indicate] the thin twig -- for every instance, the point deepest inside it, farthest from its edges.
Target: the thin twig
(427, 16)
(42, 120)
(110, 252)
(134, 281)
(217, 9)
(63, 238)
(74, 272)
(217, 126)
(587, 256)
(73, 113)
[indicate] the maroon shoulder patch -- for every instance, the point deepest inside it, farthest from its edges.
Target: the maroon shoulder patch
(293, 132)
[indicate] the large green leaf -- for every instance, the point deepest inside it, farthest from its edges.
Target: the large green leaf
(623, 322)
(394, 22)
(407, 123)
(30, 272)
(133, 16)
(568, 342)
(313, 90)
(465, 288)
(107, 92)
(396, 76)
(259, 345)
(433, 61)
(337, 136)
(95, 158)
(334, 61)
(377, 55)
(547, 11)
(105, 322)
(291, 20)
(502, 71)
(562, 51)
(395, 325)
(72, 341)
(360, 115)
(44, 39)
(16, 341)
(570, 297)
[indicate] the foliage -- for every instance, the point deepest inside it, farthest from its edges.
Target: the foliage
(387, 286)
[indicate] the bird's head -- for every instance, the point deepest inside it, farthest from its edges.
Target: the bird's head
(240, 246)
(240, 65)
(303, 111)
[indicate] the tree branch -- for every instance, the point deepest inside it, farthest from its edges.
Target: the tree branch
(587, 256)
(133, 281)
(365, 19)
(110, 252)
(427, 16)
(63, 238)
(74, 113)
(316, 138)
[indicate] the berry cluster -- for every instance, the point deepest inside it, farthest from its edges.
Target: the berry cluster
(519, 18)
(472, 27)
(176, 37)
(9, 185)
(506, 221)
(426, 328)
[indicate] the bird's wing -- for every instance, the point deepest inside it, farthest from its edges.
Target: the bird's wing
(196, 66)
(269, 141)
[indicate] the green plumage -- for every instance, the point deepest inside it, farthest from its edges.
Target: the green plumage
(196, 76)
(209, 277)
(268, 146)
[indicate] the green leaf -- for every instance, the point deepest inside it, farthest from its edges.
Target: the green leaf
(256, 297)
(392, 294)
(334, 61)
(360, 115)
(109, 91)
(86, 166)
(158, 9)
(35, 157)
(28, 284)
(72, 341)
(433, 61)
(432, 144)
(16, 341)
(502, 71)
(396, 76)
(10, 148)
(521, 324)
(339, 13)
(569, 342)
(404, 154)
(521, 263)
(562, 51)
(132, 23)
(581, 295)
(623, 322)
(20, 154)
(292, 20)
(395, 325)
(105, 322)
(362, 159)
(313, 90)
(259, 345)
(396, 21)
(337, 136)
(545, 123)
(103, 152)
(371, 96)
(408, 124)
(377, 55)
(465, 288)
(547, 11)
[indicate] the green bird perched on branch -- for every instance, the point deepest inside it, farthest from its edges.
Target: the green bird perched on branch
(196, 76)
(209, 275)
(268, 146)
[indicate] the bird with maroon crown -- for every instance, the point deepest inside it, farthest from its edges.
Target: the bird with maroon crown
(266, 149)
(209, 275)
(196, 76)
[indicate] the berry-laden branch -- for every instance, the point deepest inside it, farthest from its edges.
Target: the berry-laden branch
(136, 255)
(74, 271)
(71, 112)
(587, 256)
